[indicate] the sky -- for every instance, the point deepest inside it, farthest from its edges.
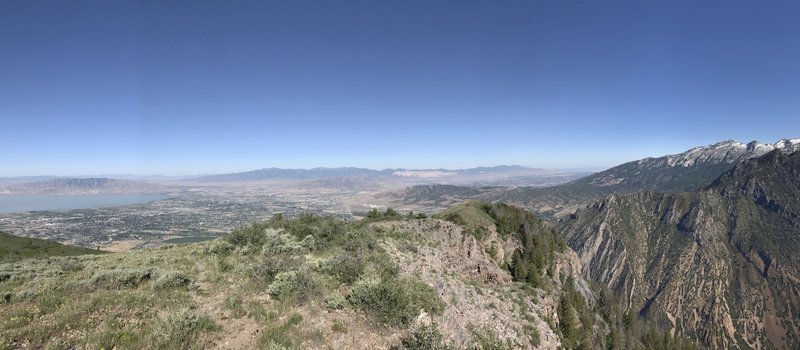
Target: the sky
(200, 87)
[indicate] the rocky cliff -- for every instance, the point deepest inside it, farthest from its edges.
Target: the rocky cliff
(717, 265)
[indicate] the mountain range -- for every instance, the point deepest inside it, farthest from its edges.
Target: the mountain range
(719, 264)
(507, 174)
(685, 171)
(75, 186)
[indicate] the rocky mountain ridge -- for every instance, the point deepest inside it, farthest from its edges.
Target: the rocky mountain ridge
(686, 171)
(717, 265)
(671, 171)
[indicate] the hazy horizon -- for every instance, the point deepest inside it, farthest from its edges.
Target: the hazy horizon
(189, 88)
(143, 175)
(256, 167)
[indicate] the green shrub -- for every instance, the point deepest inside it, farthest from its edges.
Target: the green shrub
(454, 218)
(234, 304)
(346, 267)
(114, 334)
(268, 266)
(49, 301)
(487, 339)
(335, 301)
(247, 235)
(382, 300)
(280, 336)
(172, 279)
(338, 327)
(422, 295)
(220, 247)
(294, 320)
(276, 242)
(179, 329)
(121, 278)
(288, 284)
(69, 266)
(322, 228)
(393, 301)
(425, 337)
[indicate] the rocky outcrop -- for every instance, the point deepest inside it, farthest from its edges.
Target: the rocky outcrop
(470, 272)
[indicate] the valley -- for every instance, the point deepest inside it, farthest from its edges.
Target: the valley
(208, 207)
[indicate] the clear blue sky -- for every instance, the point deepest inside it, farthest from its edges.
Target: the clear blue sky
(188, 87)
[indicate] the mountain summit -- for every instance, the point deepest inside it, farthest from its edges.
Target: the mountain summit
(684, 171)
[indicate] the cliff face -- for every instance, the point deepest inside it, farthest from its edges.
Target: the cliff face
(717, 265)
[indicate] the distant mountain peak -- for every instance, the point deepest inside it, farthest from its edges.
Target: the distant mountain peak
(728, 151)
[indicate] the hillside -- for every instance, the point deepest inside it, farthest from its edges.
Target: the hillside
(718, 265)
(480, 277)
(73, 186)
(14, 248)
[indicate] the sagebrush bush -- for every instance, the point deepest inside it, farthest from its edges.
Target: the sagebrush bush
(293, 284)
(392, 300)
(346, 267)
(384, 300)
(220, 247)
(425, 337)
(247, 235)
(277, 242)
(70, 266)
(269, 265)
(335, 301)
(422, 296)
(178, 329)
(172, 279)
(121, 278)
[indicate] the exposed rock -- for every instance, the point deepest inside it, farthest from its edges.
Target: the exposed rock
(719, 265)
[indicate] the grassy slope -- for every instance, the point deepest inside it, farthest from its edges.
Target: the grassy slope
(252, 289)
(14, 248)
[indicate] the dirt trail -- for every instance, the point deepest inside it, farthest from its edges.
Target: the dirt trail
(236, 333)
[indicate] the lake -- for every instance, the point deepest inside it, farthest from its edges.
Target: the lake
(25, 203)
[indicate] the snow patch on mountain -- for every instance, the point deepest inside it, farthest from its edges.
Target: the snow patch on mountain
(729, 151)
